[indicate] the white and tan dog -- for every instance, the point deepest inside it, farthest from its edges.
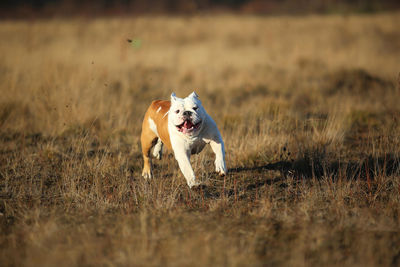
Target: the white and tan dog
(182, 125)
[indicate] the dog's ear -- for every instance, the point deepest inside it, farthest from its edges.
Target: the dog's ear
(173, 97)
(194, 95)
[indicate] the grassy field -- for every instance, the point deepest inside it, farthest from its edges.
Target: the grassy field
(308, 108)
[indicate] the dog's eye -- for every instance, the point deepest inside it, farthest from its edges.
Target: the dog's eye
(177, 111)
(195, 108)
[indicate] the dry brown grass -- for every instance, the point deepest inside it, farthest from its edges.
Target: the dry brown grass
(308, 108)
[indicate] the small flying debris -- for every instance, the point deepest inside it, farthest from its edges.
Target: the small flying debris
(136, 43)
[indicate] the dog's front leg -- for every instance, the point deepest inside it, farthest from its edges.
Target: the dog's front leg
(217, 145)
(183, 159)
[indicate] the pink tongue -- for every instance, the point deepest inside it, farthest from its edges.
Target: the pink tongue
(187, 124)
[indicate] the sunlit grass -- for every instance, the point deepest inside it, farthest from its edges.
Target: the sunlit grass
(307, 106)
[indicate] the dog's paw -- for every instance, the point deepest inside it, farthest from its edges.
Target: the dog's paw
(158, 149)
(221, 173)
(146, 174)
(220, 168)
(158, 155)
(193, 182)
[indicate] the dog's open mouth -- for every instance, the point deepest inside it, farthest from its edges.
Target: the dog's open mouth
(187, 126)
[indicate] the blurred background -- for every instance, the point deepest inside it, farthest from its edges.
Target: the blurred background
(51, 8)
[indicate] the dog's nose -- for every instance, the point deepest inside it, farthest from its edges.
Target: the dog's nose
(187, 113)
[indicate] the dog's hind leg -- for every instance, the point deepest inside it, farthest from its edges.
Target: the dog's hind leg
(158, 149)
(148, 140)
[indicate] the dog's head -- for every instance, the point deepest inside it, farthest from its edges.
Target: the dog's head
(186, 114)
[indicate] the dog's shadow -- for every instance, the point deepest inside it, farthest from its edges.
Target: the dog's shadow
(317, 168)
(310, 167)
(303, 169)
